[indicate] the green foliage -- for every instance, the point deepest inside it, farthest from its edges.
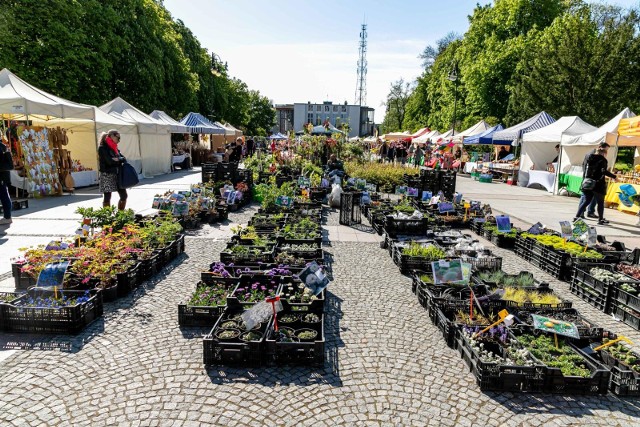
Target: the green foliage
(543, 348)
(270, 192)
(107, 217)
(378, 173)
(430, 252)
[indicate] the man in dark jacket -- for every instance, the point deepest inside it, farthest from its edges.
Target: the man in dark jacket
(591, 209)
(596, 169)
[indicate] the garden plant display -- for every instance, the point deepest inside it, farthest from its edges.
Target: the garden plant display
(52, 301)
(559, 244)
(302, 229)
(209, 296)
(544, 349)
(501, 279)
(495, 346)
(255, 292)
(623, 354)
(607, 276)
(430, 252)
(523, 296)
(629, 270)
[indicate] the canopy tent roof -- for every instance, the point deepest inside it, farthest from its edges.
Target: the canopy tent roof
(426, 137)
(174, 125)
(19, 97)
(126, 111)
(393, 136)
(485, 137)
(515, 132)
(237, 131)
(552, 133)
(598, 135)
(228, 130)
(476, 129)
(420, 132)
(278, 136)
(628, 133)
(197, 123)
(442, 137)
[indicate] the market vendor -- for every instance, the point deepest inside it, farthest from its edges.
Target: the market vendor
(502, 153)
(335, 167)
(555, 159)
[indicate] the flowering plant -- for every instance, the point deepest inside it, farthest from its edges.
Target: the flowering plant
(241, 186)
(51, 301)
(255, 292)
(209, 295)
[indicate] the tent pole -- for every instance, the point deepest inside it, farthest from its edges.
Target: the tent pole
(557, 180)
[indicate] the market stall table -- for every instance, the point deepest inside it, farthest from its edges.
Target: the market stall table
(85, 178)
(612, 197)
(182, 160)
(571, 182)
(544, 178)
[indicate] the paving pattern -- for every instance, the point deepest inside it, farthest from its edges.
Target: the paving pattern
(386, 364)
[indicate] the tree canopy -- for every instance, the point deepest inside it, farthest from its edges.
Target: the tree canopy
(91, 51)
(520, 57)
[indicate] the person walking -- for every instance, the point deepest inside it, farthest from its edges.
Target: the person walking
(596, 170)
(250, 147)
(418, 156)
(110, 162)
(5, 182)
(591, 209)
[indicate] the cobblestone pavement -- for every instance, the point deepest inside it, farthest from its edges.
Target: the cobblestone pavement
(386, 364)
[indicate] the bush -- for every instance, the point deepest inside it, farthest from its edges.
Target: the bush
(379, 173)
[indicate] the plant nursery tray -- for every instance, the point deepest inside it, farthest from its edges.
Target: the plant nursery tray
(310, 353)
(65, 320)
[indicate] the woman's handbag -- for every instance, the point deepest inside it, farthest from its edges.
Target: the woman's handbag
(588, 184)
(6, 160)
(127, 177)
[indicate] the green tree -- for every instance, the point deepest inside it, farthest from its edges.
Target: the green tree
(396, 106)
(262, 115)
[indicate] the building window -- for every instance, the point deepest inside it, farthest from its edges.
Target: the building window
(318, 121)
(327, 108)
(310, 118)
(335, 108)
(344, 108)
(310, 108)
(319, 108)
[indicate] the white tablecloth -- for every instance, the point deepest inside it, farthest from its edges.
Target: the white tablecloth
(18, 181)
(178, 159)
(544, 178)
(85, 178)
(469, 167)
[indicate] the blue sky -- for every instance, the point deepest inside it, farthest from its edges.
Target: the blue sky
(299, 51)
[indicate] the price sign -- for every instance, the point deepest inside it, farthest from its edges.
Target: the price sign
(559, 327)
(412, 192)
(566, 231)
(426, 196)
(504, 223)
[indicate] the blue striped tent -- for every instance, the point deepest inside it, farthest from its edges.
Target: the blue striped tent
(513, 134)
(197, 123)
(485, 137)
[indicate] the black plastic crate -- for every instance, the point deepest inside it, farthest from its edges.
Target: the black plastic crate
(246, 281)
(488, 263)
(412, 227)
(491, 376)
(625, 298)
(624, 380)
(128, 280)
(503, 240)
(596, 384)
(308, 255)
(23, 281)
(148, 267)
(596, 292)
(289, 306)
(265, 254)
(301, 353)
(626, 315)
(190, 315)
(64, 320)
(216, 351)
(586, 328)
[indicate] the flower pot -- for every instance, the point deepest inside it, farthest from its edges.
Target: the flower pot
(311, 319)
(285, 335)
(229, 324)
(251, 336)
(306, 335)
(227, 334)
(288, 319)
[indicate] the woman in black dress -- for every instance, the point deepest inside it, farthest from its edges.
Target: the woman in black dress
(110, 161)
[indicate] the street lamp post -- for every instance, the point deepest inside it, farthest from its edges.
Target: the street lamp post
(453, 76)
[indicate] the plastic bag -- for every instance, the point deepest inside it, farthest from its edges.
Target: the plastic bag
(334, 196)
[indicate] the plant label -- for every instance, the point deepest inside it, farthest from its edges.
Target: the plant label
(304, 181)
(479, 220)
(180, 209)
(284, 201)
(504, 223)
(447, 271)
(475, 206)
(536, 229)
(412, 192)
(457, 199)
(370, 188)
(579, 228)
(566, 231)
(592, 236)
(52, 275)
(560, 327)
(426, 196)
(401, 189)
(56, 246)
(314, 278)
(486, 209)
(445, 207)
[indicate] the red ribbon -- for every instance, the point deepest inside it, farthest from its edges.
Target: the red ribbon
(273, 300)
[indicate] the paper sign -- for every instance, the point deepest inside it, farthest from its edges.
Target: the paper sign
(457, 199)
(52, 275)
(401, 189)
(314, 278)
(475, 205)
(412, 192)
(447, 272)
(592, 236)
(504, 223)
(579, 228)
(370, 188)
(304, 181)
(361, 183)
(566, 231)
(559, 327)
(426, 196)
(445, 207)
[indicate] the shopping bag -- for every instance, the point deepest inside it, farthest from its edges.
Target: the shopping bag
(128, 177)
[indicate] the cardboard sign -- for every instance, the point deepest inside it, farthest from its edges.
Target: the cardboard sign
(445, 207)
(566, 231)
(447, 271)
(52, 275)
(426, 196)
(412, 192)
(314, 278)
(504, 223)
(401, 189)
(560, 327)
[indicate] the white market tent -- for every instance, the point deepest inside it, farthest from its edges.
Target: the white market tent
(574, 148)
(513, 134)
(443, 137)
(538, 146)
(228, 130)
(423, 139)
(420, 132)
(155, 139)
(22, 101)
(394, 136)
(174, 125)
(237, 131)
(476, 129)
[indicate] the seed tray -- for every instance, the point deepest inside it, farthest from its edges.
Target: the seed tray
(624, 380)
(65, 320)
(415, 227)
(626, 314)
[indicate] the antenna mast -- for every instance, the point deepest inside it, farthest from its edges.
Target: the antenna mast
(361, 85)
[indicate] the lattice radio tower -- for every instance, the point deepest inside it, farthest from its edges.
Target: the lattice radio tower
(361, 85)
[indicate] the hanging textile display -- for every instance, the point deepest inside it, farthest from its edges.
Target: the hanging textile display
(39, 163)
